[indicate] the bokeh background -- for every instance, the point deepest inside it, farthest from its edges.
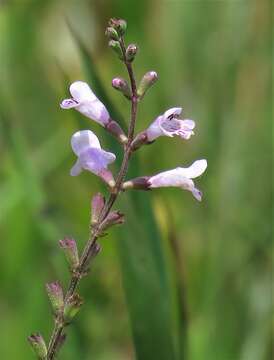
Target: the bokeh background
(181, 279)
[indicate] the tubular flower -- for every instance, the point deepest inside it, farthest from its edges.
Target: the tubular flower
(85, 101)
(168, 124)
(91, 157)
(180, 177)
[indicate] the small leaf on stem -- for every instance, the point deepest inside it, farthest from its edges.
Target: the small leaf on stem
(72, 306)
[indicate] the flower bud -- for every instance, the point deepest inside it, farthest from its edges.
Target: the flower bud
(122, 86)
(119, 25)
(38, 345)
(147, 81)
(97, 204)
(72, 306)
(115, 46)
(113, 218)
(71, 252)
(131, 52)
(140, 139)
(140, 183)
(56, 296)
(114, 128)
(111, 33)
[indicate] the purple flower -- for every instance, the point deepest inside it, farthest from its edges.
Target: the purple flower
(168, 124)
(91, 157)
(86, 102)
(180, 177)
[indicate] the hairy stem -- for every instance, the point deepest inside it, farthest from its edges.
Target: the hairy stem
(90, 248)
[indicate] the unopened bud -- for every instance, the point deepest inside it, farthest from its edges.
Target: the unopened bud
(140, 139)
(72, 306)
(111, 33)
(131, 52)
(115, 46)
(114, 128)
(113, 218)
(119, 25)
(97, 204)
(56, 296)
(122, 86)
(147, 81)
(38, 345)
(71, 252)
(140, 183)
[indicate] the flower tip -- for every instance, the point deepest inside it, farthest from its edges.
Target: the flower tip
(197, 194)
(127, 185)
(123, 139)
(68, 104)
(202, 165)
(111, 183)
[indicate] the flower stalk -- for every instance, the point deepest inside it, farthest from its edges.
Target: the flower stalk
(91, 157)
(91, 248)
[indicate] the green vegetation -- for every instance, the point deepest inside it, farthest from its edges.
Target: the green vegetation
(183, 275)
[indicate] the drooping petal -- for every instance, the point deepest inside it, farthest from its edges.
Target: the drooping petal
(190, 124)
(91, 157)
(95, 160)
(76, 169)
(197, 194)
(83, 140)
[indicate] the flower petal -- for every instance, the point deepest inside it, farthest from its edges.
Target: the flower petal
(86, 102)
(83, 140)
(189, 124)
(94, 110)
(173, 112)
(69, 104)
(171, 178)
(80, 91)
(76, 169)
(194, 170)
(94, 159)
(197, 194)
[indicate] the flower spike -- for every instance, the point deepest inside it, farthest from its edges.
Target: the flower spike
(91, 157)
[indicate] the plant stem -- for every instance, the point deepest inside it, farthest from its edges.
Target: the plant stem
(90, 248)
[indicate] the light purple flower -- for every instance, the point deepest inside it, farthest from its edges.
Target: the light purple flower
(180, 177)
(85, 101)
(91, 157)
(168, 124)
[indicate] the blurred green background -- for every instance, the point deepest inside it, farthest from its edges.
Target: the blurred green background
(181, 279)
